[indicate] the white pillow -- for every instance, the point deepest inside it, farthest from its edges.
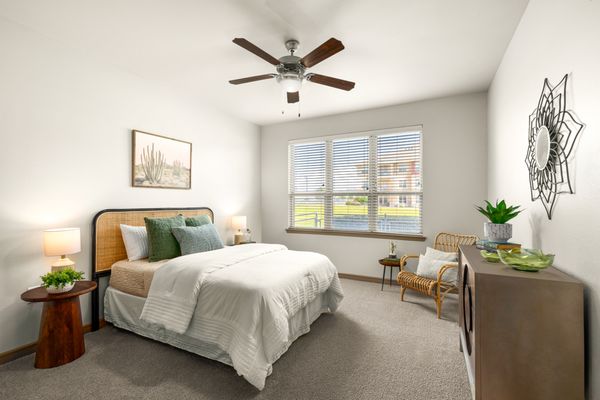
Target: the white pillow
(440, 255)
(136, 241)
(433, 260)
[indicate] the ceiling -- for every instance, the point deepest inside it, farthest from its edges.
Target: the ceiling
(397, 51)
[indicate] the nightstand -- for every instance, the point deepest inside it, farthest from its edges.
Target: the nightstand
(233, 244)
(389, 262)
(61, 333)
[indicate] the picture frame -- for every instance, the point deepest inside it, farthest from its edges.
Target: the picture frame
(160, 162)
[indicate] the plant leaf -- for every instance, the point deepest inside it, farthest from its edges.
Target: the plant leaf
(500, 213)
(502, 205)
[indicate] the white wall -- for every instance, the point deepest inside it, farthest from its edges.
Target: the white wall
(554, 38)
(454, 163)
(65, 144)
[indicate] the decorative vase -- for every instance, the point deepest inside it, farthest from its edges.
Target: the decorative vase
(392, 252)
(60, 289)
(497, 232)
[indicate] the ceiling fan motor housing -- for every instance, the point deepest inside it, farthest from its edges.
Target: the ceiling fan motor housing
(290, 67)
(292, 45)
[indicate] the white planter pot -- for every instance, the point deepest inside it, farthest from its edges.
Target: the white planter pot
(60, 289)
(497, 232)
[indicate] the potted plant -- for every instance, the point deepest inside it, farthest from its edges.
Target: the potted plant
(61, 281)
(498, 230)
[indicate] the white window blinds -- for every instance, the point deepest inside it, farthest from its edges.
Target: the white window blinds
(398, 175)
(307, 181)
(350, 190)
(370, 182)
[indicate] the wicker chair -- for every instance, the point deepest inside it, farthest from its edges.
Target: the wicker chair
(436, 288)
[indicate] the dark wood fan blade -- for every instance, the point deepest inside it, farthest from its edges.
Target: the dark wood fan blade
(251, 79)
(255, 50)
(322, 52)
(293, 97)
(333, 82)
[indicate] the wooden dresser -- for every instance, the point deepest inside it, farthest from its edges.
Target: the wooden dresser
(521, 332)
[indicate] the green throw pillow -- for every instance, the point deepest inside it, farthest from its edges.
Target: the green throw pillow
(197, 239)
(198, 220)
(161, 242)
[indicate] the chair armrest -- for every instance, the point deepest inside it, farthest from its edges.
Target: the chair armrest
(443, 270)
(405, 258)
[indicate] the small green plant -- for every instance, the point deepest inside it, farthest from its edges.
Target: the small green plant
(499, 214)
(61, 278)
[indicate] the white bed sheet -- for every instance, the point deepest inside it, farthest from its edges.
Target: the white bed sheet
(123, 310)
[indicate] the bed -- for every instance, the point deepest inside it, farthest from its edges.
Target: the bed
(240, 305)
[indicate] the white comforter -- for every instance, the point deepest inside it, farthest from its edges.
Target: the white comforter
(241, 297)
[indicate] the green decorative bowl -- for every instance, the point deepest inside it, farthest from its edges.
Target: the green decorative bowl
(527, 260)
(489, 256)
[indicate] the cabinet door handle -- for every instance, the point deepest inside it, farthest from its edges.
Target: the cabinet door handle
(470, 310)
(467, 328)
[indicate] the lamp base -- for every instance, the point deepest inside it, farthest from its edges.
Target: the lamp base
(63, 263)
(238, 238)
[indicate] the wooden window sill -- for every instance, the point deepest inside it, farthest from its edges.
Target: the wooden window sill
(380, 235)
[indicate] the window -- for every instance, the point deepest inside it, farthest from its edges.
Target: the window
(367, 182)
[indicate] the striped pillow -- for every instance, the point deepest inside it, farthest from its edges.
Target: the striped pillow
(136, 241)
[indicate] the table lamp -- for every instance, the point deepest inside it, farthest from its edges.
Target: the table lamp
(62, 242)
(238, 222)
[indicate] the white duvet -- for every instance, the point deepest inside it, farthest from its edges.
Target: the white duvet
(242, 298)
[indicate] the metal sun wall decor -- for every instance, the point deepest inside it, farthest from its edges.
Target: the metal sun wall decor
(553, 131)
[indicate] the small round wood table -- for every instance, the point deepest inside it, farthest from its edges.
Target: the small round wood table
(389, 262)
(61, 333)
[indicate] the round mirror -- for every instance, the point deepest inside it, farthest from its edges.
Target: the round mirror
(542, 147)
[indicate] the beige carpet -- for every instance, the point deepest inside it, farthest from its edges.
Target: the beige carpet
(374, 347)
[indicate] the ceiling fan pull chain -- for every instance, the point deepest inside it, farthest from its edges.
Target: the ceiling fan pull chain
(283, 102)
(298, 109)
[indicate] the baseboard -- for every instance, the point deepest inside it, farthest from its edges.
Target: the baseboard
(365, 278)
(19, 352)
(30, 348)
(88, 327)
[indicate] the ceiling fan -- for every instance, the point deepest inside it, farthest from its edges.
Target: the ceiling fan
(291, 69)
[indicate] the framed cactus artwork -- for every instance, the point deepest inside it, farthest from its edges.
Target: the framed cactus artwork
(160, 162)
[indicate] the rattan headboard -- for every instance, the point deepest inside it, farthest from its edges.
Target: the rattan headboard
(107, 242)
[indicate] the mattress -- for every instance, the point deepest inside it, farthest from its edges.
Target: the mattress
(134, 277)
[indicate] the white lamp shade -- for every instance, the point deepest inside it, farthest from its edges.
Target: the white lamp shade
(238, 222)
(60, 242)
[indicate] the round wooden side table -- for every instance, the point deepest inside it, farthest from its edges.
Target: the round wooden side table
(61, 333)
(389, 262)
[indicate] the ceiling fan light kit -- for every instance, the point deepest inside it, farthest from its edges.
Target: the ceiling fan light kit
(291, 69)
(290, 83)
